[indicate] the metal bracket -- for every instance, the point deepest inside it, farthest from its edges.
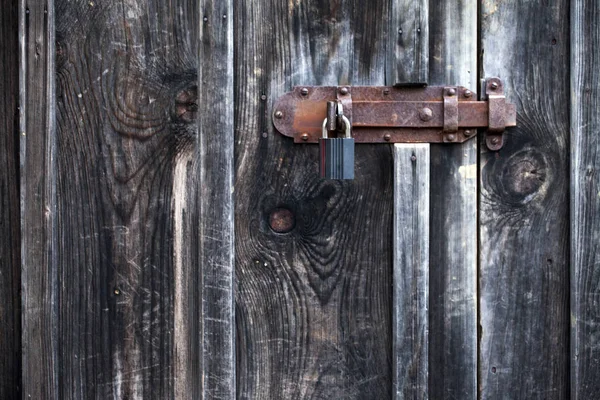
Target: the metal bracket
(399, 114)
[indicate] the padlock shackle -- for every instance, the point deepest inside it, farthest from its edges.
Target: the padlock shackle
(347, 128)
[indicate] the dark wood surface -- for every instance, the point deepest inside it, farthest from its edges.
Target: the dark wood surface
(10, 246)
(313, 312)
(585, 199)
(524, 206)
(453, 236)
(127, 290)
(37, 153)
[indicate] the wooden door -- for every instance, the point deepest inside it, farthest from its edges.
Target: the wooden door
(160, 240)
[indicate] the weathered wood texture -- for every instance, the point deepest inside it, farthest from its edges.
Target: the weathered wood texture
(585, 199)
(453, 246)
(524, 206)
(408, 58)
(127, 290)
(38, 200)
(410, 316)
(10, 265)
(216, 124)
(313, 313)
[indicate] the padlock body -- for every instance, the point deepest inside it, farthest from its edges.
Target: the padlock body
(336, 158)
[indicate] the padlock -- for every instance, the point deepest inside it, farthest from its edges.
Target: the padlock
(336, 155)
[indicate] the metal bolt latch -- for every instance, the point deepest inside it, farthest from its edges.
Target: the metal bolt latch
(413, 113)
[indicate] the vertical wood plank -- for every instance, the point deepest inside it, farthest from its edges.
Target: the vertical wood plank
(453, 246)
(524, 205)
(216, 130)
(132, 188)
(313, 257)
(411, 271)
(408, 61)
(38, 201)
(585, 199)
(10, 266)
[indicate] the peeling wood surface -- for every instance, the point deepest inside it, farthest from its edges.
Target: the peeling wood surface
(10, 264)
(585, 199)
(410, 316)
(313, 312)
(524, 206)
(453, 243)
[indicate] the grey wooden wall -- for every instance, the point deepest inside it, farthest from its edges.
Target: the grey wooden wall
(158, 239)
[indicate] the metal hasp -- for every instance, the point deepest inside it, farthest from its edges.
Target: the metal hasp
(399, 114)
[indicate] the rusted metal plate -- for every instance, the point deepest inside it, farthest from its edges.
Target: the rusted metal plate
(381, 114)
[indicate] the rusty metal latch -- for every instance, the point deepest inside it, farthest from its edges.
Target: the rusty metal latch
(407, 114)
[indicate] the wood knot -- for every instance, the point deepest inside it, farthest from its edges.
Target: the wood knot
(186, 105)
(282, 220)
(520, 178)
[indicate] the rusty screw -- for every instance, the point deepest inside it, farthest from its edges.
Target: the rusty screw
(278, 114)
(469, 133)
(304, 91)
(451, 92)
(426, 114)
(305, 136)
(451, 137)
(344, 91)
(386, 91)
(387, 137)
(494, 86)
(468, 93)
(495, 141)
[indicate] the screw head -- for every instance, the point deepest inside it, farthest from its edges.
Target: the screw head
(413, 158)
(386, 91)
(494, 85)
(387, 137)
(469, 132)
(304, 136)
(263, 97)
(304, 91)
(495, 141)
(278, 114)
(451, 92)
(344, 91)
(426, 114)
(451, 137)
(468, 93)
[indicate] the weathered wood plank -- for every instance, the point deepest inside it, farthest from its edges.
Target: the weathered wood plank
(408, 61)
(216, 148)
(133, 256)
(453, 246)
(411, 271)
(524, 206)
(313, 257)
(10, 264)
(585, 198)
(38, 200)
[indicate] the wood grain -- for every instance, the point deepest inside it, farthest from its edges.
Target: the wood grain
(115, 201)
(37, 152)
(216, 151)
(411, 271)
(313, 312)
(585, 199)
(524, 206)
(10, 246)
(453, 246)
(408, 58)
